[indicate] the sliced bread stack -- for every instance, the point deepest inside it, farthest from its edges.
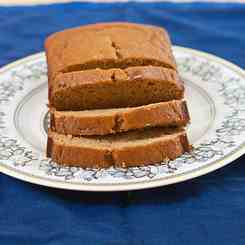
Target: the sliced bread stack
(115, 97)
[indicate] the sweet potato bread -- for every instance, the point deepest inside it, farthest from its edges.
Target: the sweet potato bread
(111, 121)
(111, 65)
(115, 97)
(133, 148)
(108, 45)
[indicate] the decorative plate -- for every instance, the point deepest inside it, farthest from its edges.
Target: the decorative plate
(215, 93)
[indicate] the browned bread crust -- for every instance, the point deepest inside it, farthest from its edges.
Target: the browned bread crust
(111, 121)
(135, 148)
(108, 45)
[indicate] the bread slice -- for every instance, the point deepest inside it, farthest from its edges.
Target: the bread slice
(108, 45)
(111, 121)
(114, 88)
(133, 148)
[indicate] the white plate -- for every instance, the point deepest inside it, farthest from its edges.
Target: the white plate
(215, 92)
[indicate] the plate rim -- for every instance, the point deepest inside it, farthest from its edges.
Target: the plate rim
(106, 187)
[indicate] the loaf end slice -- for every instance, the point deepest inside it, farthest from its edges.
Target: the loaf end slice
(135, 148)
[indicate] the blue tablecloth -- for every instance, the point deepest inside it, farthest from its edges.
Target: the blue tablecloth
(209, 210)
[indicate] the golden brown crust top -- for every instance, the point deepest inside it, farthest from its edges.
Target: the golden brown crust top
(108, 45)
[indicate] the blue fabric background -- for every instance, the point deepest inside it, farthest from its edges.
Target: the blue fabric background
(209, 210)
